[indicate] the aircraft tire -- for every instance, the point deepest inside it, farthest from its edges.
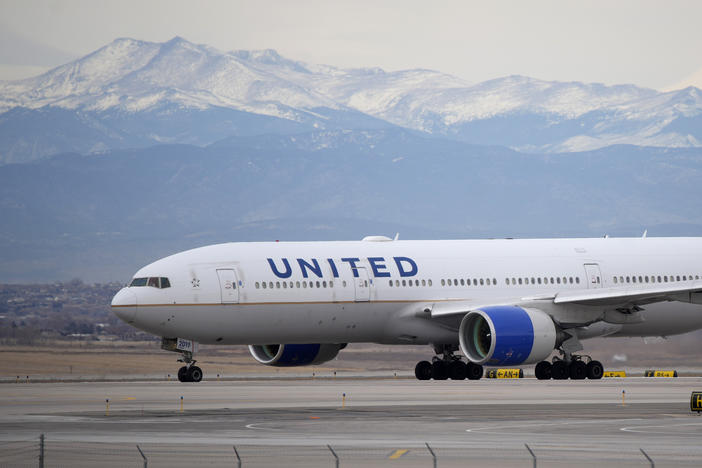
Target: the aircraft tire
(595, 370)
(457, 370)
(439, 370)
(577, 370)
(542, 371)
(183, 374)
(195, 374)
(474, 371)
(559, 370)
(423, 370)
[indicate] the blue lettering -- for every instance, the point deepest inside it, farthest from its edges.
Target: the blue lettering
(376, 266)
(401, 269)
(335, 272)
(352, 261)
(314, 267)
(286, 274)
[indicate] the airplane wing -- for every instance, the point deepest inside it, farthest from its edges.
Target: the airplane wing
(690, 291)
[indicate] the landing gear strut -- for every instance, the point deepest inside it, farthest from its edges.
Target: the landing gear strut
(189, 372)
(570, 366)
(447, 366)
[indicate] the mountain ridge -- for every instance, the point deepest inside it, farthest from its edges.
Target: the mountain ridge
(130, 84)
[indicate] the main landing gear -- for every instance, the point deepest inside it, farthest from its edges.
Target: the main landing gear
(569, 367)
(448, 366)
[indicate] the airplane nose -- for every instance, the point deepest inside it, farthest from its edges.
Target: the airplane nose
(124, 305)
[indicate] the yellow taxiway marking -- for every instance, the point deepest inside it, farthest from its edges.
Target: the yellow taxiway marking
(397, 454)
(129, 398)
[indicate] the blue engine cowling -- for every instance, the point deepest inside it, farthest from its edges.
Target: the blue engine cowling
(507, 335)
(292, 355)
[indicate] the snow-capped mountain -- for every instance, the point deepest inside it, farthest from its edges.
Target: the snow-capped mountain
(135, 93)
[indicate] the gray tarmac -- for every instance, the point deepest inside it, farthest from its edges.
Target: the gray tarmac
(378, 423)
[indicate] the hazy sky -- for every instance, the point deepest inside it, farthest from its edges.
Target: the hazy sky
(649, 43)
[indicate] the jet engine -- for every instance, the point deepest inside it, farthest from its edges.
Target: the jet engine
(292, 355)
(507, 335)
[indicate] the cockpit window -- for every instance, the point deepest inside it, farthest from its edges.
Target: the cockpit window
(154, 282)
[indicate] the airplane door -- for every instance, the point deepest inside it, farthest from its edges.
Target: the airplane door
(228, 286)
(593, 275)
(362, 285)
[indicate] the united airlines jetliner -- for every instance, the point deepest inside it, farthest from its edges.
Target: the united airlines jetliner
(498, 302)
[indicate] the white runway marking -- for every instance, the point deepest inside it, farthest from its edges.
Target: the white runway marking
(490, 429)
(644, 429)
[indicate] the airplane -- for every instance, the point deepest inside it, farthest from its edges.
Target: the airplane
(500, 302)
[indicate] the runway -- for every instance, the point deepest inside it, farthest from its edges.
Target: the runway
(291, 422)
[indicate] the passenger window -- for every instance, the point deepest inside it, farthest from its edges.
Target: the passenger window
(424, 282)
(277, 284)
(633, 279)
(264, 285)
(365, 283)
(317, 283)
(481, 282)
(558, 280)
(677, 278)
(443, 282)
(416, 282)
(397, 283)
(538, 280)
(343, 283)
(270, 284)
(455, 282)
(390, 283)
(614, 279)
(304, 285)
(520, 281)
(404, 283)
(429, 282)
(257, 285)
(463, 282)
(324, 284)
(507, 281)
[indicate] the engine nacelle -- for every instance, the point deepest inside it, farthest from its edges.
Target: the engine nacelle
(292, 355)
(507, 335)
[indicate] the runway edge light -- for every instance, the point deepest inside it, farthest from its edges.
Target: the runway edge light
(696, 401)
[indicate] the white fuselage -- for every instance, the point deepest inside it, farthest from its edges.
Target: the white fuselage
(383, 291)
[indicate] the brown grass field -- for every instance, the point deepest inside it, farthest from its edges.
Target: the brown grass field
(114, 359)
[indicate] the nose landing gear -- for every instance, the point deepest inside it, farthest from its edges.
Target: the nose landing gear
(189, 372)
